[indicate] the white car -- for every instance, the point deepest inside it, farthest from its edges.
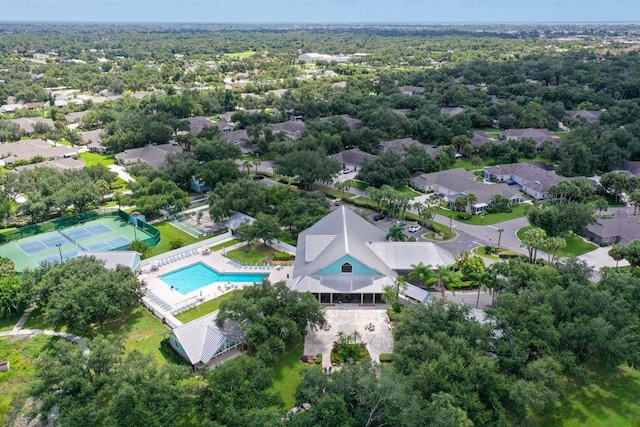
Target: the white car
(414, 229)
(347, 170)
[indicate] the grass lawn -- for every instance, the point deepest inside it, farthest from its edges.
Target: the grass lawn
(21, 353)
(537, 158)
(609, 398)
(241, 55)
(575, 245)
(517, 212)
(8, 323)
(224, 244)
(359, 184)
(466, 163)
(287, 373)
(336, 194)
(138, 330)
(408, 190)
(252, 255)
(204, 308)
(95, 158)
(168, 233)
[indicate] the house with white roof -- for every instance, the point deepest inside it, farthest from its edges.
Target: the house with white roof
(202, 342)
(345, 259)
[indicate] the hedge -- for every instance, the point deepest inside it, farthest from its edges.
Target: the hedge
(282, 256)
(386, 357)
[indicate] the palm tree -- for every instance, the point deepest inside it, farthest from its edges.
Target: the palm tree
(447, 278)
(247, 165)
(257, 163)
(103, 187)
(472, 199)
(500, 231)
(400, 284)
(141, 247)
(483, 280)
(617, 252)
(388, 294)
(424, 273)
(396, 234)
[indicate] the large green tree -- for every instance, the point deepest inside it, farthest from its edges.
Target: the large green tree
(81, 292)
(271, 316)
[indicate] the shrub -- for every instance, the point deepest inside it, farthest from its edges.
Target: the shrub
(282, 256)
(490, 250)
(318, 359)
(386, 357)
(397, 307)
(510, 254)
(176, 243)
(604, 244)
(464, 216)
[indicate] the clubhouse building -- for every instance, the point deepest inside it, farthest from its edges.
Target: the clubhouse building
(345, 259)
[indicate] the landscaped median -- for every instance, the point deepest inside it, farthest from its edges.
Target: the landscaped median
(576, 245)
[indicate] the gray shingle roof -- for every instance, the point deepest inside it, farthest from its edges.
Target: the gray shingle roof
(154, 155)
(354, 156)
(403, 255)
(292, 128)
(589, 116)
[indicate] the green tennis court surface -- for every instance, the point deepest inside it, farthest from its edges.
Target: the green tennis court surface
(102, 234)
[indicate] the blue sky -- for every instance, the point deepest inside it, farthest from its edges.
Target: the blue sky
(324, 11)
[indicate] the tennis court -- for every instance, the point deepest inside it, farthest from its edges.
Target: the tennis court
(63, 237)
(101, 234)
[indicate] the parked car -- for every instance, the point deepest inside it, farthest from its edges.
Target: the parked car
(347, 170)
(414, 229)
(378, 217)
(257, 177)
(400, 223)
(511, 182)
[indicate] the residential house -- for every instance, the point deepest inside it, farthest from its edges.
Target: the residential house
(241, 139)
(537, 135)
(313, 57)
(292, 129)
(33, 105)
(198, 185)
(400, 111)
(203, 343)
(587, 115)
(10, 108)
(621, 227)
(29, 148)
(354, 124)
(93, 141)
(197, 124)
(75, 117)
(153, 155)
(632, 168)
(399, 145)
(345, 259)
(455, 183)
(353, 158)
(451, 112)
(411, 90)
(534, 180)
(28, 124)
(113, 259)
(480, 138)
(63, 164)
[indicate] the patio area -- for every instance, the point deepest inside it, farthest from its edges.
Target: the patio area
(372, 323)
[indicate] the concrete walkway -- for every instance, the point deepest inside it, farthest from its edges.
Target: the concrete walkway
(19, 332)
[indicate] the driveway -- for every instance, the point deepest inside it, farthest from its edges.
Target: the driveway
(348, 318)
(122, 173)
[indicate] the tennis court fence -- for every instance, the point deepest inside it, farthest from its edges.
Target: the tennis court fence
(70, 221)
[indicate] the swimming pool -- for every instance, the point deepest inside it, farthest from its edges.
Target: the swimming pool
(195, 276)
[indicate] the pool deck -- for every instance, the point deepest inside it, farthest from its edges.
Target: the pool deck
(160, 290)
